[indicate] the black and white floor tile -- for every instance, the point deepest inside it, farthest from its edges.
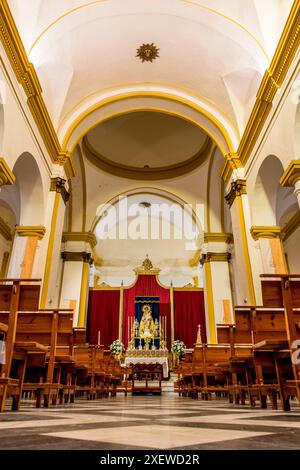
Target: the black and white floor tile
(151, 422)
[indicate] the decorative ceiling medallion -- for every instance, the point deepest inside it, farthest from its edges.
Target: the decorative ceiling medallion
(147, 52)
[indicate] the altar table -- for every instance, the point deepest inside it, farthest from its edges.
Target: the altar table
(149, 360)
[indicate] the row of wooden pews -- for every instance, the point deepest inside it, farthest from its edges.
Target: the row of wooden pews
(46, 357)
(256, 357)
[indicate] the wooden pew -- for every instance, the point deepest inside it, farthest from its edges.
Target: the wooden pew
(16, 295)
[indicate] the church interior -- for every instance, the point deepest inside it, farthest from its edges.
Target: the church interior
(149, 225)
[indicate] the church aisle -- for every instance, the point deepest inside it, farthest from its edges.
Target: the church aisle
(132, 423)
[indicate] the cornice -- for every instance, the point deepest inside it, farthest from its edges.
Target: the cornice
(148, 173)
(265, 231)
(291, 174)
(232, 162)
(218, 237)
(238, 188)
(82, 256)
(273, 80)
(215, 257)
(5, 230)
(30, 231)
(6, 175)
(26, 75)
(58, 185)
(86, 237)
(292, 225)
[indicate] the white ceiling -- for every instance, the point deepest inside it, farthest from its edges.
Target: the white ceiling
(214, 51)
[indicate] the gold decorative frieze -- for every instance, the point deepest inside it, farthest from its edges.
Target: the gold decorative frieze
(86, 237)
(5, 230)
(232, 163)
(6, 175)
(211, 237)
(292, 225)
(214, 257)
(147, 52)
(147, 268)
(272, 81)
(238, 188)
(58, 185)
(258, 232)
(26, 75)
(291, 174)
(82, 256)
(30, 231)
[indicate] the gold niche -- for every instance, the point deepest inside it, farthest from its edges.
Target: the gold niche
(147, 52)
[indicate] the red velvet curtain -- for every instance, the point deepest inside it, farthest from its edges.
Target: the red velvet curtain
(104, 307)
(189, 312)
(146, 285)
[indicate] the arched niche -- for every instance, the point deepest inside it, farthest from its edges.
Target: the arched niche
(30, 186)
(270, 200)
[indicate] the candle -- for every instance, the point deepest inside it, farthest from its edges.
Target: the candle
(99, 338)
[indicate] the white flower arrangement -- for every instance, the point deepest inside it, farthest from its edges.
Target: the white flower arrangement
(117, 347)
(178, 347)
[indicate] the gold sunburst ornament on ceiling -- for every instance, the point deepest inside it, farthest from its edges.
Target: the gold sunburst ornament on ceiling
(147, 52)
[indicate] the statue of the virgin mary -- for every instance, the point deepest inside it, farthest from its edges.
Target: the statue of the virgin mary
(147, 325)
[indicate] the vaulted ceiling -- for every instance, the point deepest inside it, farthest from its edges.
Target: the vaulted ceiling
(212, 55)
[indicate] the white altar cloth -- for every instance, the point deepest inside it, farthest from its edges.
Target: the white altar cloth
(149, 360)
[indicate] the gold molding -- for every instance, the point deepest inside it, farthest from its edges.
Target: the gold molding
(265, 231)
(215, 257)
(211, 237)
(86, 237)
(149, 94)
(193, 262)
(31, 231)
(238, 188)
(6, 175)
(155, 173)
(272, 81)
(5, 230)
(26, 75)
(292, 225)
(231, 163)
(291, 174)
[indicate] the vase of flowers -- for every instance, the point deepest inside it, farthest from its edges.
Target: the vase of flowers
(117, 348)
(178, 348)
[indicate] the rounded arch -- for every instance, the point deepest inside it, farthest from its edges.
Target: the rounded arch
(271, 202)
(103, 108)
(30, 186)
(197, 217)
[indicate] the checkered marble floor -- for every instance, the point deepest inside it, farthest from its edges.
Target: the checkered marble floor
(149, 422)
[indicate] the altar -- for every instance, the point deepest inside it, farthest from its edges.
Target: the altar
(155, 357)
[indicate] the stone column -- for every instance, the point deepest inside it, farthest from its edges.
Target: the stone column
(58, 197)
(77, 259)
(246, 257)
(271, 249)
(217, 286)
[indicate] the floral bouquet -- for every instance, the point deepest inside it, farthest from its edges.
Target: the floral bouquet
(178, 348)
(117, 348)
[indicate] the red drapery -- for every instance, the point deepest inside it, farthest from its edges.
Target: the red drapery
(146, 285)
(104, 307)
(189, 312)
